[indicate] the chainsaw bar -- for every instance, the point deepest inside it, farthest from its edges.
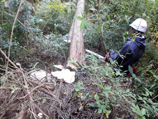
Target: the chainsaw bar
(95, 54)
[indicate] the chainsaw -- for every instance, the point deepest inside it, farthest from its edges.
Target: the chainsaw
(95, 54)
(100, 56)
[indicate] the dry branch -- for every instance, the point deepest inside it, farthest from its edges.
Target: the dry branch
(8, 59)
(11, 36)
(22, 113)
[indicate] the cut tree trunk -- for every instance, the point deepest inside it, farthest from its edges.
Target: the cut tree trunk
(76, 50)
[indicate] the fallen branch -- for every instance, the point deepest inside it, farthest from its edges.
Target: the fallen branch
(46, 92)
(11, 36)
(8, 59)
(5, 88)
(58, 94)
(21, 113)
(44, 85)
(59, 90)
(31, 91)
(41, 110)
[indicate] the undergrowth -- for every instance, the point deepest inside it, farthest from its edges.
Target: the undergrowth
(120, 96)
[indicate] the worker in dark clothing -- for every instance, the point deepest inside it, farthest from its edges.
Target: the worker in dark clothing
(134, 47)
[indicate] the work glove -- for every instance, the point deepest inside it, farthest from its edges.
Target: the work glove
(135, 70)
(106, 57)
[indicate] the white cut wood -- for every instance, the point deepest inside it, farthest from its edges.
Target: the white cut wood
(38, 75)
(65, 74)
(59, 66)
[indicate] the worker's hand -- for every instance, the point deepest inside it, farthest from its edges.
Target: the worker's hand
(111, 51)
(106, 57)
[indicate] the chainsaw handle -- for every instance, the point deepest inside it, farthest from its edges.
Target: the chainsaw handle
(107, 58)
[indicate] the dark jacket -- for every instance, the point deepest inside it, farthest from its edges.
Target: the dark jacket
(130, 53)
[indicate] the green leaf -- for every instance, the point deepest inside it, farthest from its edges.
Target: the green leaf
(14, 89)
(137, 110)
(107, 101)
(106, 94)
(93, 105)
(82, 15)
(98, 103)
(133, 75)
(82, 25)
(76, 88)
(128, 90)
(143, 111)
(34, 66)
(108, 113)
(99, 110)
(79, 18)
(138, 80)
(44, 101)
(149, 101)
(96, 97)
(130, 69)
(75, 93)
(84, 97)
(26, 86)
(109, 18)
(82, 88)
(99, 85)
(116, 105)
(79, 86)
(118, 73)
(79, 94)
(87, 24)
(107, 88)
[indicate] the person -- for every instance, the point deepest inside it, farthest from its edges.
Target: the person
(134, 47)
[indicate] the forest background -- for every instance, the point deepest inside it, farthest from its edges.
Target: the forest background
(38, 42)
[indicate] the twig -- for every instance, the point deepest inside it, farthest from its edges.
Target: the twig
(46, 92)
(41, 110)
(102, 115)
(58, 94)
(156, 70)
(50, 95)
(5, 88)
(11, 37)
(59, 90)
(45, 85)
(30, 91)
(154, 97)
(30, 97)
(21, 113)
(103, 37)
(143, 69)
(48, 21)
(8, 59)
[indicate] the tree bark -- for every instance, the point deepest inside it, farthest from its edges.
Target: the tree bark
(76, 50)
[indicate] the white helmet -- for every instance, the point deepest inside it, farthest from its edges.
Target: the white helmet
(139, 25)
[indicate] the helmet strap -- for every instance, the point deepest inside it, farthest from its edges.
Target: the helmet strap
(138, 33)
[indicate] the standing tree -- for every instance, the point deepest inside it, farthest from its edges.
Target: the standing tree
(76, 50)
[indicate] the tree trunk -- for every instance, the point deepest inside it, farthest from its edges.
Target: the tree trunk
(76, 50)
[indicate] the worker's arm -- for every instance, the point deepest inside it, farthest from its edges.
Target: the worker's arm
(123, 52)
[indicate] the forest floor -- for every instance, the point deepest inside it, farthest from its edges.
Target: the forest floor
(25, 98)
(22, 97)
